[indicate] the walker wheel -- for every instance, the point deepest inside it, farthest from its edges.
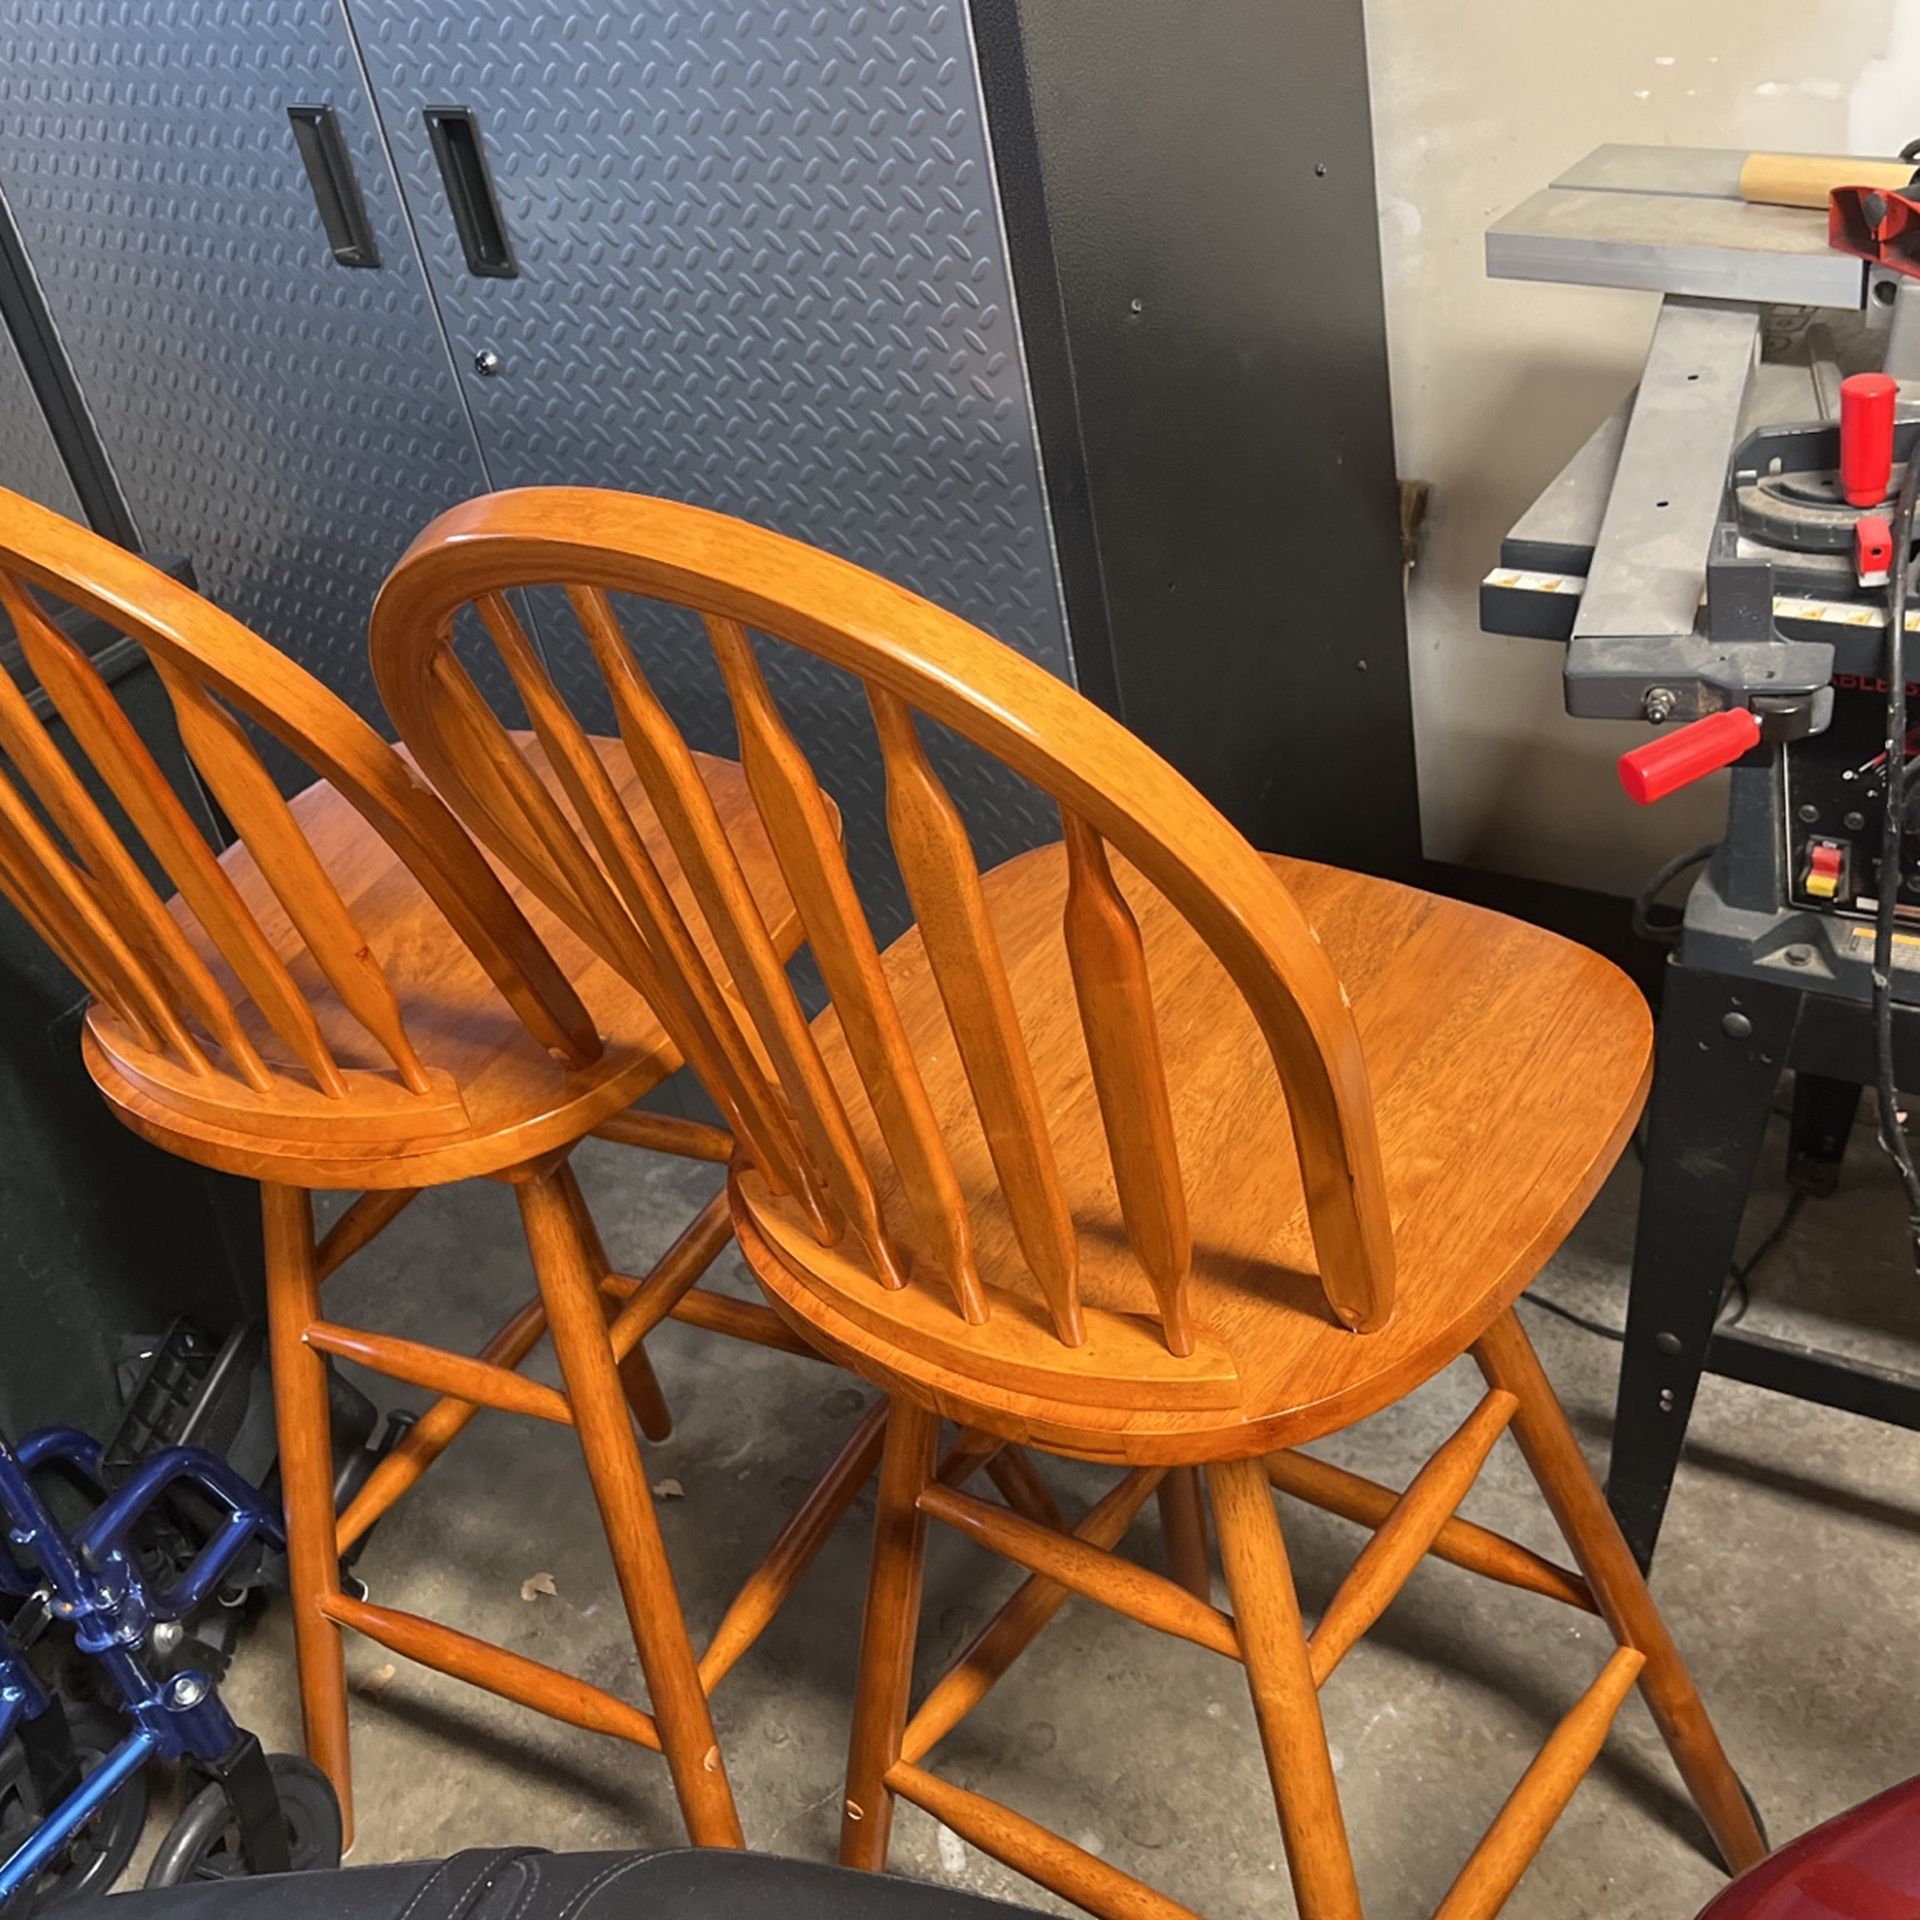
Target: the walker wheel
(204, 1843)
(97, 1855)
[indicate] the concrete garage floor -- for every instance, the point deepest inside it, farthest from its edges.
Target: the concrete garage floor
(1787, 1569)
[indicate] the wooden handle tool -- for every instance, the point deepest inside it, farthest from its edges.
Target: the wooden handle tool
(1807, 179)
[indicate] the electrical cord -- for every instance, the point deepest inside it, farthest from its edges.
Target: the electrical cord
(1893, 1139)
(1666, 933)
(1734, 1300)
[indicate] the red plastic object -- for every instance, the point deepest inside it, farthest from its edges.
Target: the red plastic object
(1862, 1865)
(1877, 224)
(1678, 759)
(1866, 437)
(1873, 549)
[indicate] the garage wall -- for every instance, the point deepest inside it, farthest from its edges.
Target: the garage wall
(1475, 104)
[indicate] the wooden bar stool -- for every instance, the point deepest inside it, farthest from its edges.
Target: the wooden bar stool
(350, 998)
(1142, 1149)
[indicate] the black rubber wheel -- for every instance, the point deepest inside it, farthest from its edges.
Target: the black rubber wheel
(97, 1855)
(204, 1843)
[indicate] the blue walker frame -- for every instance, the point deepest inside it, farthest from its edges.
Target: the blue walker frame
(91, 1580)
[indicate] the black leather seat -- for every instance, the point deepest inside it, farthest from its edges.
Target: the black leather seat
(523, 1883)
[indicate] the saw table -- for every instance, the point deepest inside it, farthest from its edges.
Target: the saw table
(1701, 561)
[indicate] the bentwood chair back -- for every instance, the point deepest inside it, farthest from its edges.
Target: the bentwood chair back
(351, 998)
(1142, 1148)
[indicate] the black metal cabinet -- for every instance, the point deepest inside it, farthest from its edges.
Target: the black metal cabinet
(286, 421)
(101, 1235)
(1067, 316)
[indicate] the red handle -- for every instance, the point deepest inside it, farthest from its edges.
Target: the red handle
(1666, 765)
(1866, 437)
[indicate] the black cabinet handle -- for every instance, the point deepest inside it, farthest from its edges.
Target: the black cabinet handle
(336, 188)
(455, 134)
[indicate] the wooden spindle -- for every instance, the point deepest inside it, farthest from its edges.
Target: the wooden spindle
(60, 898)
(680, 797)
(676, 972)
(800, 826)
(1029, 1848)
(125, 892)
(124, 763)
(1109, 966)
(222, 752)
(943, 883)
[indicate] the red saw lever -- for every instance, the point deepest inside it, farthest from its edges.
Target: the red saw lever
(1678, 759)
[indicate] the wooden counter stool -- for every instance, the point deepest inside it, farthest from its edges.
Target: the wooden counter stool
(1142, 1149)
(350, 998)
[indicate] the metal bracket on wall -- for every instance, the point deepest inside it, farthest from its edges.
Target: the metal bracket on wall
(24, 313)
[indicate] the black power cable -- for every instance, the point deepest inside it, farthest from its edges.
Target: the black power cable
(1734, 1301)
(1666, 932)
(1893, 1139)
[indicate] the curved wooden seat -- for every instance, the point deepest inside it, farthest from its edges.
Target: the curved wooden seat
(508, 1097)
(1497, 1123)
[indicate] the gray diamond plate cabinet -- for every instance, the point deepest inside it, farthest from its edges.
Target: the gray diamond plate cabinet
(1066, 315)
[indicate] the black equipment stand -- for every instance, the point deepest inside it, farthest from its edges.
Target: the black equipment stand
(1756, 988)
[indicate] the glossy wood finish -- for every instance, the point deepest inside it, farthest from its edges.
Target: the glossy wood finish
(1142, 1148)
(739, 577)
(1183, 1525)
(1500, 1859)
(530, 1683)
(1286, 1703)
(1406, 1534)
(352, 997)
(1462, 1542)
(304, 1426)
(1507, 1359)
(1497, 1124)
(570, 1287)
(881, 1693)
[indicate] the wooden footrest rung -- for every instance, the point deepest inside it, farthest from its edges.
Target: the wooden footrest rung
(770, 1584)
(362, 1223)
(1351, 1496)
(1029, 1848)
(441, 1372)
(667, 1133)
(1407, 1533)
(1017, 1625)
(743, 1319)
(1509, 1845)
(1149, 1598)
(482, 1664)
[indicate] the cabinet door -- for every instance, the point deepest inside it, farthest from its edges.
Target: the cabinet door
(758, 264)
(30, 461)
(286, 422)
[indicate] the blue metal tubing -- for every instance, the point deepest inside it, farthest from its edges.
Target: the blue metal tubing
(21, 1695)
(78, 1449)
(73, 1813)
(33, 1530)
(75, 1449)
(105, 1532)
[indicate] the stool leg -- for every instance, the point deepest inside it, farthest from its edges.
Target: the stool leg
(637, 1376)
(306, 1482)
(1183, 1527)
(1507, 1359)
(1286, 1703)
(887, 1632)
(571, 1291)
